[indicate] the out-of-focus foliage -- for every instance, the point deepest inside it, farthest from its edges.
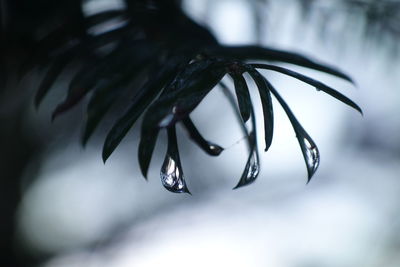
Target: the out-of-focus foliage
(165, 63)
(382, 17)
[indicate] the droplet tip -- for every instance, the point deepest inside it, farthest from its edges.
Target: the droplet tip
(144, 172)
(310, 176)
(217, 151)
(104, 157)
(239, 185)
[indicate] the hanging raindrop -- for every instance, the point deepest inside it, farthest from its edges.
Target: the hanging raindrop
(209, 147)
(307, 145)
(171, 173)
(251, 170)
(214, 149)
(311, 155)
(172, 177)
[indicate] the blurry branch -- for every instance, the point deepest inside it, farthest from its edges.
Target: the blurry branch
(382, 17)
(259, 10)
(178, 61)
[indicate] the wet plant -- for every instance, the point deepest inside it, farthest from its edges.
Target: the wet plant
(168, 63)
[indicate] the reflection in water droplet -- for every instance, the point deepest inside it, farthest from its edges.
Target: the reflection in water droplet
(166, 121)
(214, 149)
(311, 155)
(172, 177)
(251, 170)
(254, 167)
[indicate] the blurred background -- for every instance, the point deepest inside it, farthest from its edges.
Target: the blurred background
(76, 211)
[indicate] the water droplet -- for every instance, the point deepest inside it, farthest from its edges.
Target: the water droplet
(251, 170)
(209, 147)
(214, 149)
(311, 155)
(167, 120)
(172, 176)
(254, 167)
